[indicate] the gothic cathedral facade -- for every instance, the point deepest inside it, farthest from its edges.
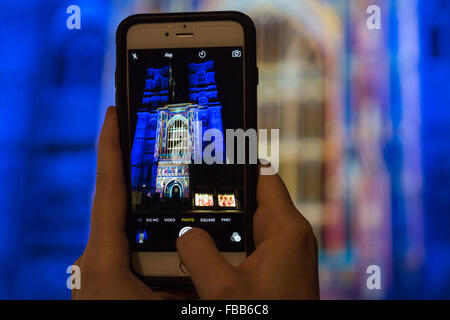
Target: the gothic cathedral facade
(168, 135)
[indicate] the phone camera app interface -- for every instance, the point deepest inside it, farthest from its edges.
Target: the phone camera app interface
(182, 101)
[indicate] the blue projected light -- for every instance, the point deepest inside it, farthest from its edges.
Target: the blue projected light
(55, 84)
(51, 90)
(167, 135)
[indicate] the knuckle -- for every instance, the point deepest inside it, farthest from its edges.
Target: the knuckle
(102, 180)
(91, 265)
(92, 271)
(302, 229)
(106, 183)
(226, 287)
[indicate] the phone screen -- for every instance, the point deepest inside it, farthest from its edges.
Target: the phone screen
(182, 101)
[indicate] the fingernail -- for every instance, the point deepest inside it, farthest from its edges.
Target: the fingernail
(108, 112)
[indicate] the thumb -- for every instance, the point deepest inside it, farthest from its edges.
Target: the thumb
(209, 270)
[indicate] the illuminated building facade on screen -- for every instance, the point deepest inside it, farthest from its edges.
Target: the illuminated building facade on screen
(168, 134)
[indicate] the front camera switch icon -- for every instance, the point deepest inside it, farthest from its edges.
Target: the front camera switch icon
(235, 237)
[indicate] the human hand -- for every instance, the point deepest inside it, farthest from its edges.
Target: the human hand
(283, 266)
(105, 263)
(105, 266)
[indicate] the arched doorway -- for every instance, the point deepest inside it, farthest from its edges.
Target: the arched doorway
(176, 192)
(173, 190)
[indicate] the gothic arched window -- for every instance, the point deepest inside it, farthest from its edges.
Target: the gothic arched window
(158, 83)
(177, 138)
(152, 126)
(201, 77)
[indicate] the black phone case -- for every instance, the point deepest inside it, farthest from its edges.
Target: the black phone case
(250, 115)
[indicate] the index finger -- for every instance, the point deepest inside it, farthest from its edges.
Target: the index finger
(275, 211)
(109, 208)
(271, 192)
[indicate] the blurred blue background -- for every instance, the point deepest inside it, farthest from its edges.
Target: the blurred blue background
(364, 126)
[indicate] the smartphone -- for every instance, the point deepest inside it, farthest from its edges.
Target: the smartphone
(183, 81)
